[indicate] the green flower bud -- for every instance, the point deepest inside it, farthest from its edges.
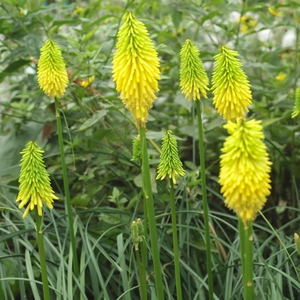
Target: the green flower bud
(136, 149)
(137, 233)
(296, 110)
(170, 164)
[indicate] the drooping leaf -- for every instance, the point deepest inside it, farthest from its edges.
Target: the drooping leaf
(12, 67)
(93, 120)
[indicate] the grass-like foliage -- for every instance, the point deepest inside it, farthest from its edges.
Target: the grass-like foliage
(204, 204)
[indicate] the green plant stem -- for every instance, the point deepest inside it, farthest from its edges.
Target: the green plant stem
(239, 24)
(66, 188)
(2, 288)
(142, 275)
(148, 197)
(46, 292)
(246, 240)
(175, 243)
(143, 245)
(205, 203)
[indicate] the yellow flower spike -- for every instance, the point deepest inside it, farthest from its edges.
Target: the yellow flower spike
(34, 181)
(296, 110)
(136, 68)
(52, 74)
(193, 78)
(170, 164)
(231, 88)
(245, 168)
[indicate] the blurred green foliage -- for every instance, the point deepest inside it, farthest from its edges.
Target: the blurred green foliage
(104, 182)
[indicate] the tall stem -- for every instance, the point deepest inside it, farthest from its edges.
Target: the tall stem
(46, 292)
(143, 245)
(66, 188)
(246, 240)
(142, 275)
(175, 243)
(148, 197)
(205, 203)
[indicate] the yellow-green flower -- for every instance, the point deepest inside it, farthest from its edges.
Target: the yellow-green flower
(245, 169)
(274, 12)
(248, 24)
(296, 110)
(52, 74)
(170, 164)
(231, 88)
(34, 181)
(281, 77)
(86, 83)
(24, 10)
(193, 78)
(78, 10)
(136, 68)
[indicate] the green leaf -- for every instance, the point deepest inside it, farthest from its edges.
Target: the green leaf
(90, 34)
(210, 16)
(93, 120)
(138, 180)
(90, 25)
(176, 18)
(153, 135)
(12, 144)
(13, 67)
(267, 122)
(63, 22)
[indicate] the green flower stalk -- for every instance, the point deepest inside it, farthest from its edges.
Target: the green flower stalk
(136, 73)
(137, 237)
(53, 79)
(52, 74)
(245, 180)
(296, 110)
(245, 169)
(136, 68)
(170, 164)
(149, 214)
(35, 188)
(193, 78)
(231, 89)
(193, 81)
